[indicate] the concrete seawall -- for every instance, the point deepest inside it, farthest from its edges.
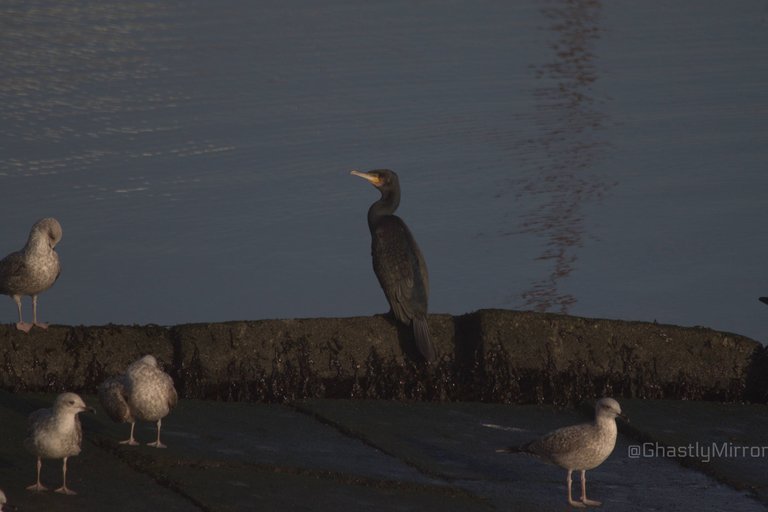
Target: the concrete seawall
(488, 355)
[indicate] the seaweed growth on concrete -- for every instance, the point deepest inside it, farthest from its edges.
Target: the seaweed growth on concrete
(292, 377)
(491, 376)
(489, 356)
(404, 379)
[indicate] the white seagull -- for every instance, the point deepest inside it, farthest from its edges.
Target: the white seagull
(55, 433)
(143, 393)
(33, 269)
(578, 447)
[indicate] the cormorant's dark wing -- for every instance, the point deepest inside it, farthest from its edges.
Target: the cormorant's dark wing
(400, 267)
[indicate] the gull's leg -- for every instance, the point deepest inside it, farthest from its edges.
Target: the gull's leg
(38, 486)
(572, 503)
(63, 489)
(131, 441)
(158, 444)
(34, 314)
(20, 325)
(584, 500)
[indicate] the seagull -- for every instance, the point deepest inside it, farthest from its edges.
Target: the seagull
(578, 447)
(56, 433)
(33, 269)
(3, 500)
(143, 393)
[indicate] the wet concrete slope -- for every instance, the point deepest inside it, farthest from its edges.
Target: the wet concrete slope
(380, 455)
(489, 355)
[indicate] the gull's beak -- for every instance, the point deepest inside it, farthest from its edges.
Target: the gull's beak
(375, 180)
(89, 409)
(623, 416)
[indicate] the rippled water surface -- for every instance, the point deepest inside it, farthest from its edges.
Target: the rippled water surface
(604, 159)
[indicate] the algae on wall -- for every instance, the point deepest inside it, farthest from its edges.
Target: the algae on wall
(490, 356)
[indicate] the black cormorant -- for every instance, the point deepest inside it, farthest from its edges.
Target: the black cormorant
(397, 260)
(764, 300)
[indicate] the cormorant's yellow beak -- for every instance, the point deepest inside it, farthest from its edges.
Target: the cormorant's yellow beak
(374, 179)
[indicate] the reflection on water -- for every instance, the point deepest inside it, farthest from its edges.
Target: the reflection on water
(568, 141)
(558, 156)
(66, 61)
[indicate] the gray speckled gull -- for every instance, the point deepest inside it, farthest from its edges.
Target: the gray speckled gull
(144, 393)
(578, 447)
(33, 269)
(56, 433)
(3, 500)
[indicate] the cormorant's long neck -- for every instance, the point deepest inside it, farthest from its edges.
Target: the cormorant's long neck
(390, 200)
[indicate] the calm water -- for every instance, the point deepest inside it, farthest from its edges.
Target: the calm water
(605, 159)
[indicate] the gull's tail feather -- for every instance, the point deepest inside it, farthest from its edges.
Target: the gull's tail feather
(523, 448)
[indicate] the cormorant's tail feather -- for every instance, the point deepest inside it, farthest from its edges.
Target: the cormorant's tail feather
(423, 341)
